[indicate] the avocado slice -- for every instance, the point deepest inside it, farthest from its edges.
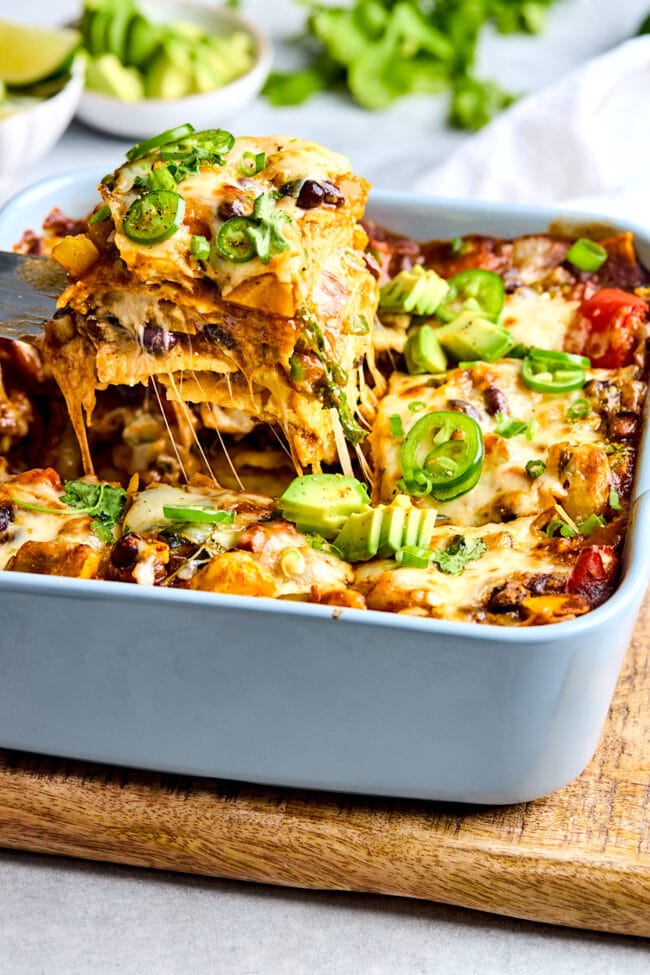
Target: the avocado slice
(169, 75)
(96, 32)
(470, 336)
(205, 74)
(359, 538)
(108, 77)
(142, 41)
(116, 31)
(322, 503)
(392, 530)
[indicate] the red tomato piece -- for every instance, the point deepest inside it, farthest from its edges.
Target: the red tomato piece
(613, 318)
(594, 574)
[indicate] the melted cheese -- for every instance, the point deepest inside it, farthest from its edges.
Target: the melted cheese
(542, 320)
(513, 550)
(42, 526)
(572, 450)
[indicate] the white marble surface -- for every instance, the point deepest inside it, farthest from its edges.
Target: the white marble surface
(63, 916)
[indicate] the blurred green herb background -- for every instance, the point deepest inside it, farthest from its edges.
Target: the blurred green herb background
(381, 50)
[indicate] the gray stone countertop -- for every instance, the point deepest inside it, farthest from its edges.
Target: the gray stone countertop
(64, 916)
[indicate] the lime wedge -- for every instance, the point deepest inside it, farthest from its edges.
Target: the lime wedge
(29, 54)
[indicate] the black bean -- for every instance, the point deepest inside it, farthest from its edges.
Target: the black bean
(125, 551)
(311, 195)
(495, 401)
(6, 517)
(157, 340)
(333, 195)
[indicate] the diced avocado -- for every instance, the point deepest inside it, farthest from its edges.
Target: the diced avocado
(116, 31)
(186, 28)
(359, 538)
(169, 75)
(108, 77)
(427, 524)
(142, 40)
(417, 291)
(423, 352)
(96, 32)
(321, 503)
(206, 77)
(412, 527)
(470, 336)
(392, 529)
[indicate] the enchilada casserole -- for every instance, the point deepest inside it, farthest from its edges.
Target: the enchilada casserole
(247, 388)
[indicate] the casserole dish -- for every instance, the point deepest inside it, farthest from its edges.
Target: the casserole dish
(313, 696)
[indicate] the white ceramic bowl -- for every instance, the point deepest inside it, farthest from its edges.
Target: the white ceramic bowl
(28, 134)
(141, 119)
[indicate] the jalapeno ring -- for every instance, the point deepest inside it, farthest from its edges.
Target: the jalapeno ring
(443, 451)
(154, 217)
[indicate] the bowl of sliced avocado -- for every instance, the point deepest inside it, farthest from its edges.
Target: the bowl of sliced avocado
(148, 58)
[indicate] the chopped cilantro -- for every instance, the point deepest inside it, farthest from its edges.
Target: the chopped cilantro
(509, 427)
(265, 227)
(314, 338)
(614, 500)
(101, 502)
(458, 553)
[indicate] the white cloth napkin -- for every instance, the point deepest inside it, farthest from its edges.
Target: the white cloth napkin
(584, 141)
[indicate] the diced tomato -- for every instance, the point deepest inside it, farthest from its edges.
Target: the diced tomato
(594, 574)
(613, 319)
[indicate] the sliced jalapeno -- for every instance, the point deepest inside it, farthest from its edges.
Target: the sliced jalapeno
(443, 451)
(475, 290)
(169, 135)
(234, 241)
(154, 217)
(208, 142)
(548, 371)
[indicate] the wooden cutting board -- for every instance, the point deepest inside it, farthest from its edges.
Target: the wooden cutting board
(580, 857)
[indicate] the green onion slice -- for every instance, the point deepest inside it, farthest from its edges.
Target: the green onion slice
(413, 557)
(198, 512)
(169, 135)
(252, 163)
(154, 217)
(535, 469)
(586, 255)
(396, 427)
(579, 409)
(99, 216)
(614, 500)
(417, 406)
(200, 247)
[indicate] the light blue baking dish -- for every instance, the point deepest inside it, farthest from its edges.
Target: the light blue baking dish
(303, 695)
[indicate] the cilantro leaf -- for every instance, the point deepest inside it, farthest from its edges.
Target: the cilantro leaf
(265, 227)
(458, 553)
(382, 50)
(101, 502)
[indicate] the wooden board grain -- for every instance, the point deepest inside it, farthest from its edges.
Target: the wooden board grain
(580, 857)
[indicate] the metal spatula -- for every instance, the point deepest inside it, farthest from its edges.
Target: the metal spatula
(29, 287)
